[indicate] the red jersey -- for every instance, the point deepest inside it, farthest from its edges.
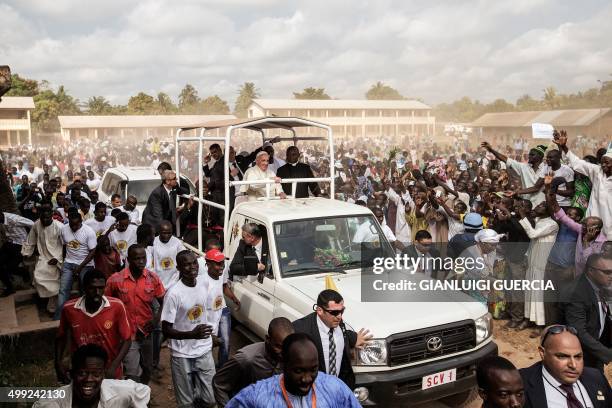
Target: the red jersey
(136, 294)
(108, 327)
(107, 263)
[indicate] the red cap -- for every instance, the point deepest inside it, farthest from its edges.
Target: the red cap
(215, 255)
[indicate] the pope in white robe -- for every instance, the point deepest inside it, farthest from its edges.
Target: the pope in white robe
(261, 171)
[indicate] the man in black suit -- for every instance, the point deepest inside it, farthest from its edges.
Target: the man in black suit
(161, 204)
(251, 256)
(216, 179)
(334, 342)
(294, 169)
(560, 379)
(585, 308)
(423, 247)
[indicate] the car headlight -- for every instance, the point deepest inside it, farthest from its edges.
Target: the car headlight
(483, 328)
(374, 353)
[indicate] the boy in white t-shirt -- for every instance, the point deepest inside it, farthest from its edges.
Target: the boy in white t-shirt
(165, 248)
(101, 222)
(185, 323)
(122, 235)
(225, 323)
(80, 243)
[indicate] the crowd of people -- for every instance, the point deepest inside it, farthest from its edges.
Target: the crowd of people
(122, 284)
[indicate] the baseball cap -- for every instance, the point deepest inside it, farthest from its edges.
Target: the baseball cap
(214, 255)
(473, 221)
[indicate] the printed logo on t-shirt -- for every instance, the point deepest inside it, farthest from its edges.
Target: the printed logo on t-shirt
(122, 245)
(167, 263)
(195, 313)
(74, 244)
(108, 324)
(218, 303)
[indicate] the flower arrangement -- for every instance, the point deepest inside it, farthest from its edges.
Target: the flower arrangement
(330, 258)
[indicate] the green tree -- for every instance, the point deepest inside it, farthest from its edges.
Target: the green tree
(311, 93)
(551, 99)
(141, 104)
(23, 86)
(499, 105)
(527, 103)
(214, 105)
(98, 105)
(188, 99)
(246, 94)
(165, 104)
(381, 91)
(49, 105)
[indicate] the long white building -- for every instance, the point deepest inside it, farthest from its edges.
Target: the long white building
(354, 117)
(15, 120)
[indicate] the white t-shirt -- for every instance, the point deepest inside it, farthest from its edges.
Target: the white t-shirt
(121, 241)
(100, 228)
(568, 174)
(93, 184)
(215, 301)
(185, 308)
(134, 215)
(164, 260)
(78, 244)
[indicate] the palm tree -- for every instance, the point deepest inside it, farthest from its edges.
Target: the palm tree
(246, 94)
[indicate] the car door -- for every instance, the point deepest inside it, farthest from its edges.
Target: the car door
(256, 299)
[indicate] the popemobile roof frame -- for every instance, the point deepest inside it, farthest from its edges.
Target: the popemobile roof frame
(256, 124)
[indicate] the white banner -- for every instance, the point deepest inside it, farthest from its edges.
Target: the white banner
(542, 130)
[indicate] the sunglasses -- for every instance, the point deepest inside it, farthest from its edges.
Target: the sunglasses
(334, 313)
(604, 271)
(556, 329)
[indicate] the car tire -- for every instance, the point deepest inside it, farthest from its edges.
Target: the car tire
(461, 399)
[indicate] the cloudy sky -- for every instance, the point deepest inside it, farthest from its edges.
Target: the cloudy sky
(436, 50)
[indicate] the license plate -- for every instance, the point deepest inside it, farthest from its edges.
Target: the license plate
(443, 377)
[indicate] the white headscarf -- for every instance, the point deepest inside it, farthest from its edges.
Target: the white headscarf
(488, 236)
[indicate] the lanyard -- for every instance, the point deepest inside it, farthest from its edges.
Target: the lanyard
(286, 397)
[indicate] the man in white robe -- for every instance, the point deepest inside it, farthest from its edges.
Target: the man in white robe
(261, 171)
(542, 236)
(45, 236)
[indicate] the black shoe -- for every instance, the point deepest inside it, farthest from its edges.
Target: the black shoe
(524, 324)
(7, 292)
(512, 324)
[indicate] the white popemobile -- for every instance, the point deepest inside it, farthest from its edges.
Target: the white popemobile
(421, 351)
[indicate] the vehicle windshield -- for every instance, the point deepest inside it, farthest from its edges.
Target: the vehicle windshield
(141, 189)
(332, 244)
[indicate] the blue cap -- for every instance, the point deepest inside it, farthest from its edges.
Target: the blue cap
(472, 221)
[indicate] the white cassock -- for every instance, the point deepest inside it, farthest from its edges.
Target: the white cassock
(255, 191)
(49, 244)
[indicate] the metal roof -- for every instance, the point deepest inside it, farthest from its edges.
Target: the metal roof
(269, 211)
(271, 122)
(339, 104)
(135, 121)
(559, 118)
(17, 102)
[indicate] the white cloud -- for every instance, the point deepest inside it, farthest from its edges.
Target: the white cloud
(438, 51)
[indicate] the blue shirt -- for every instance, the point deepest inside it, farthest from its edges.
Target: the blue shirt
(563, 253)
(330, 391)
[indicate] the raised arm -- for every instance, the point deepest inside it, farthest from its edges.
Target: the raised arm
(499, 156)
